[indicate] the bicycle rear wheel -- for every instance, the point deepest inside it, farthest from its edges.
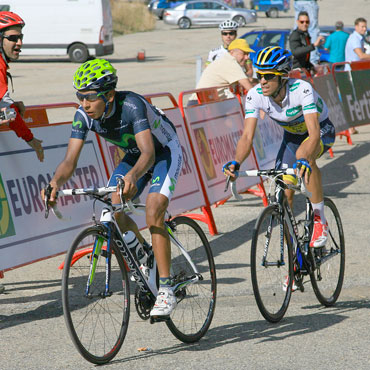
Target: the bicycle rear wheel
(97, 322)
(196, 302)
(271, 266)
(327, 279)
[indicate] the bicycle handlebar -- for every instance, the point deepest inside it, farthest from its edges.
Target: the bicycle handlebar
(272, 173)
(98, 193)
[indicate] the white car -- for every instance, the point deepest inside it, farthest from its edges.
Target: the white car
(207, 13)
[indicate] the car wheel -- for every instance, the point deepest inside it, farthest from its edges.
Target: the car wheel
(78, 53)
(273, 13)
(240, 20)
(184, 23)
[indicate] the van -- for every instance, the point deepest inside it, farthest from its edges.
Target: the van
(77, 28)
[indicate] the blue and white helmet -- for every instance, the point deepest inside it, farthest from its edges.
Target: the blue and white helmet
(275, 58)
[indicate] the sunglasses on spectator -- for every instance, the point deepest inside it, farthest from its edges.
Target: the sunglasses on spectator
(14, 38)
(89, 97)
(307, 22)
(266, 76)
(231, 33)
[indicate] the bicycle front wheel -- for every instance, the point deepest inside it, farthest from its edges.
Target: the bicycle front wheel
(327, 279)
(196, 302)
(97, 319)
(271, 264)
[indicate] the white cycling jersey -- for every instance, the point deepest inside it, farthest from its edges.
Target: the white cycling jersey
(300, 99)
(216, 53)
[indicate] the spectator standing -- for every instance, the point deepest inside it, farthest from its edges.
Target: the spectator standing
(312, 9)
(336, 44)
(300, 43)
(10, 46)
(355, 49)
(11, 37)
(355, 46)
(226, 70)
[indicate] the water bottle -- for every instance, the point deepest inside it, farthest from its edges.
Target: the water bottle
(136, 248)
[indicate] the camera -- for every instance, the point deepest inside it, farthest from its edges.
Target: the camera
(9, 113)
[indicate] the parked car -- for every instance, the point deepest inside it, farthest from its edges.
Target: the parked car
(158, 7)
(207, 13)
(259, 39)
(270, 7)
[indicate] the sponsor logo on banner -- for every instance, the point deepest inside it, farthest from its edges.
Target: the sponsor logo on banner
(6, 220)
(205, 154)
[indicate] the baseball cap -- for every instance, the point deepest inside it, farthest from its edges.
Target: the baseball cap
(240, 44)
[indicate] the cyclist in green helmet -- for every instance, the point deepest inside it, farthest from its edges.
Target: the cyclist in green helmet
(152, 150)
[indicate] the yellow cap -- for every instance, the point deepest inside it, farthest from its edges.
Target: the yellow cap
(240, 44)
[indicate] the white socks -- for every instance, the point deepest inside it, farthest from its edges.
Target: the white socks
(318, 208)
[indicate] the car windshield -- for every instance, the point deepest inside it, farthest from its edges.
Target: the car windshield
(269, 39)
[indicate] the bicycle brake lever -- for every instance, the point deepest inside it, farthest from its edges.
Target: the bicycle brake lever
(47, 194)
(227, 183)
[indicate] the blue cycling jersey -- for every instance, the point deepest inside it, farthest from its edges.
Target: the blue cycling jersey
(130, 114)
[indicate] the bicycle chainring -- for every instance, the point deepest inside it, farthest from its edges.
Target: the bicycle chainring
(143, 303)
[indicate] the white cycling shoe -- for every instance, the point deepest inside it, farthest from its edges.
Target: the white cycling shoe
(165, 302)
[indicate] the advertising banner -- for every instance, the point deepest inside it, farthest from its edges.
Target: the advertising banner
(354, 89)
(215, 130)
(327, 89)
(25, 234)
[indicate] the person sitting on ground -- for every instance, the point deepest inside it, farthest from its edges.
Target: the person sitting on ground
(226, 70)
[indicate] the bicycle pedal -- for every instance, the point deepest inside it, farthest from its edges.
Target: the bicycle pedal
(154, 319)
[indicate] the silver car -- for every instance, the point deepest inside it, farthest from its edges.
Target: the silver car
(207, 13)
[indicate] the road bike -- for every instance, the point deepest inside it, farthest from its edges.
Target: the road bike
(96, 289)
(280, 251)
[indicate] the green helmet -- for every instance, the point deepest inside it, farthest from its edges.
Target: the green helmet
(97, 74)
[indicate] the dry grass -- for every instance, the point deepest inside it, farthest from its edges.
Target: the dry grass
(131, 17)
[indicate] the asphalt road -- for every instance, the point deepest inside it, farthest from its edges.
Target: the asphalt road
(32, 330)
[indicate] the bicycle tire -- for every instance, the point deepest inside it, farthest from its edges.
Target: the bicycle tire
(327, 279)
(268, 280)
(194, 312)
(97, 325)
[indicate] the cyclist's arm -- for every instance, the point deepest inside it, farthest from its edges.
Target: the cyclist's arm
(144, 141)
(66, 168)
(312, 148)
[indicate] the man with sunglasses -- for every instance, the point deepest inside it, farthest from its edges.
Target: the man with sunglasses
(300, 43)
(152, 151)
(11, 38)
(295, 106)
(229, 30)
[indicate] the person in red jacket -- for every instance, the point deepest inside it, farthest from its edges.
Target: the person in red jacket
(11, 37)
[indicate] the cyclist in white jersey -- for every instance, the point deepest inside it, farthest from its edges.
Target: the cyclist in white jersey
(308, 132)
(228, 30)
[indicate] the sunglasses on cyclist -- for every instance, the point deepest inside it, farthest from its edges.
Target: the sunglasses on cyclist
(266, 76)
(307, 22)
(231, 33)
(89, 97)
(14, 38)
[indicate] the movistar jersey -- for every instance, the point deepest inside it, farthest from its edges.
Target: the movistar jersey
(300, 99)
(130, 115)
